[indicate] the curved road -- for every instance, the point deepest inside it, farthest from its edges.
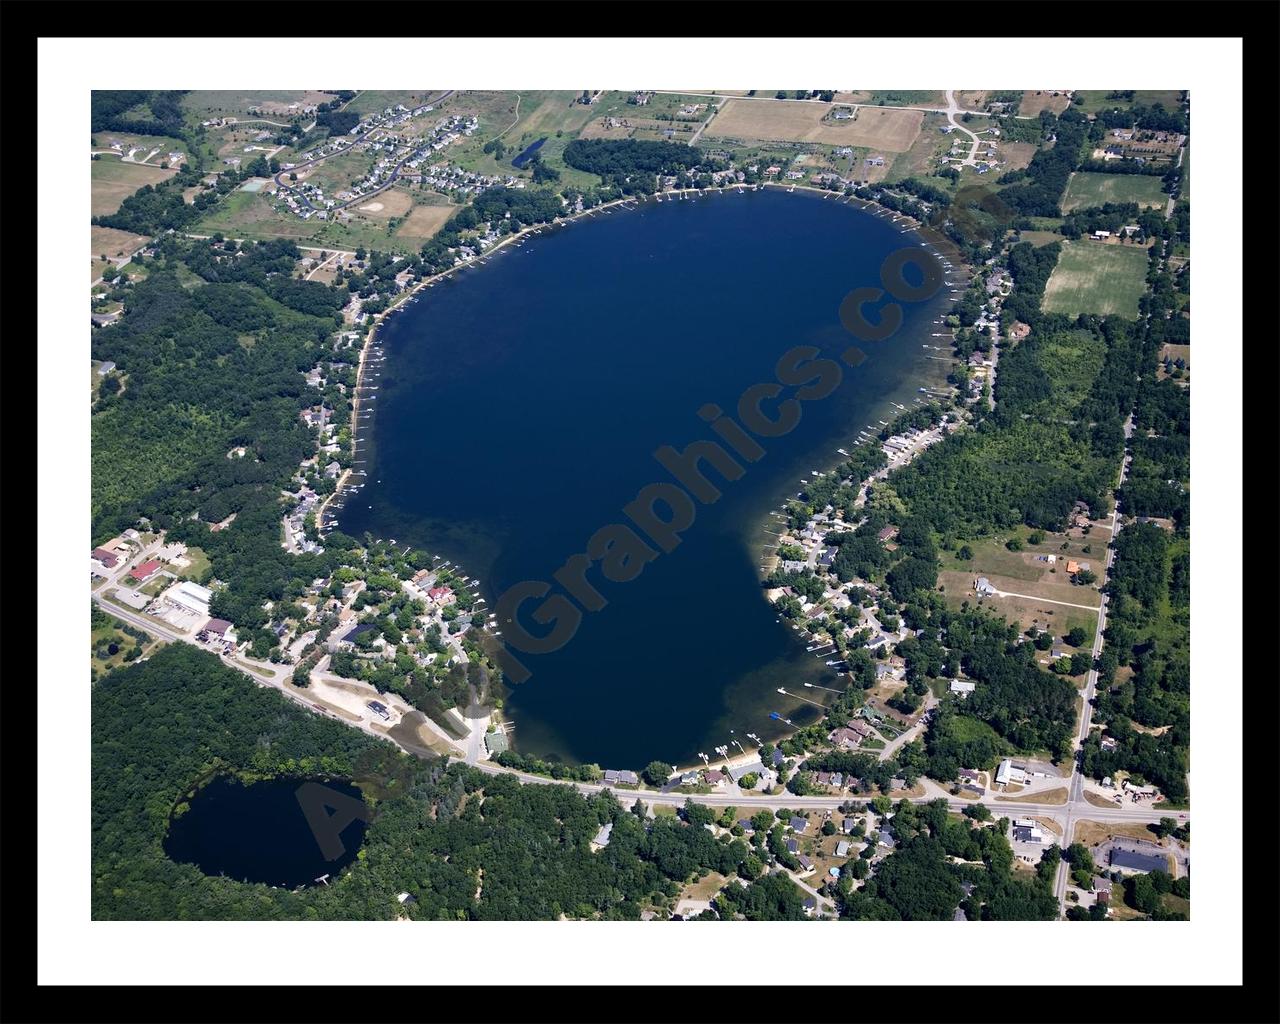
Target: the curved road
(395, 174)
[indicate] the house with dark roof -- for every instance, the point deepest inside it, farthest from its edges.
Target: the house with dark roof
(799, 824)
(805, 862)
(107, 558)
(849, 824)
(793, 846)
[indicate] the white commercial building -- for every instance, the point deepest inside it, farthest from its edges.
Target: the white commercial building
(191, 596)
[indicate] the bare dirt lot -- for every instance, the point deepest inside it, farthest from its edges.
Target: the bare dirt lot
(887, 128)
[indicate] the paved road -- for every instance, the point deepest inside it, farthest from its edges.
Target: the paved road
(952, 110)
(395, 174)
(1075, 793)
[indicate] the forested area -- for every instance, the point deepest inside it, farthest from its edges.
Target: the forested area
(630, 165)
(917, 882)
(162, 725)
(194, 391)
(1037, 190)
(1148, 629)
(137, 111)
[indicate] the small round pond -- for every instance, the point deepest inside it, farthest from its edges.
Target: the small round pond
(282, 832)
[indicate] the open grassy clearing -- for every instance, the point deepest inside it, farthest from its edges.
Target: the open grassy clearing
(1036, 100)
(922, 157)
(1087, 188)
(885, 128)
(704, 888)
(374, 101)
(338, 172)
(1017, 155)
(111, 242)
(141, 145)
(1039, 238)
(1025, 612)
(1053, 796)
(204, 104)
(894, 97)
(424, 222)
(113, 181)
(1092, 277)
(1096, 99)
(251, 215)
(1091, 833)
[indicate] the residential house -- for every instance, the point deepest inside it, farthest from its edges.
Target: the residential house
(602, 837)
(964, 687)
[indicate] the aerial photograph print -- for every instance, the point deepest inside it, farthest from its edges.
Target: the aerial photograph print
(640, 505)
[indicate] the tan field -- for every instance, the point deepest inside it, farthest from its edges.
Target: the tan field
(1053, 796)
(113, 181)
(109, 242)
(1035, 101)
(887, 128)
(971, 99)
(424, 222)
(388, 204)
(1017, 154)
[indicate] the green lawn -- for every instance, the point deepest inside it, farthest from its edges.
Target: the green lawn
(1086, 189)
(1094, 277)
(1096, 99)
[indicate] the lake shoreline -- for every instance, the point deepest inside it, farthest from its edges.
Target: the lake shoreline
(907, 385)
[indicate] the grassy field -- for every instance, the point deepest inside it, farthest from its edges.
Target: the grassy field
(1036, 100)
(1039, 238)
(144, 144)
(113, 181)
(887, 128)
(921, 157)
(1087, 189)
(1091, 833)
(422, 223)
(374, 101)
(1096, 99)
(199, 566)
(894, 97)
(204, 104)
(1092, 277)
(251, 215)
(1053, 796)
(1017, 155)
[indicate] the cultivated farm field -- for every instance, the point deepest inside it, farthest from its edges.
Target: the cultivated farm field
(887, 128)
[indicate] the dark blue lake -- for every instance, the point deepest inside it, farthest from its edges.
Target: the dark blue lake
(521, 402)
(259, 831)
(527, 155)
